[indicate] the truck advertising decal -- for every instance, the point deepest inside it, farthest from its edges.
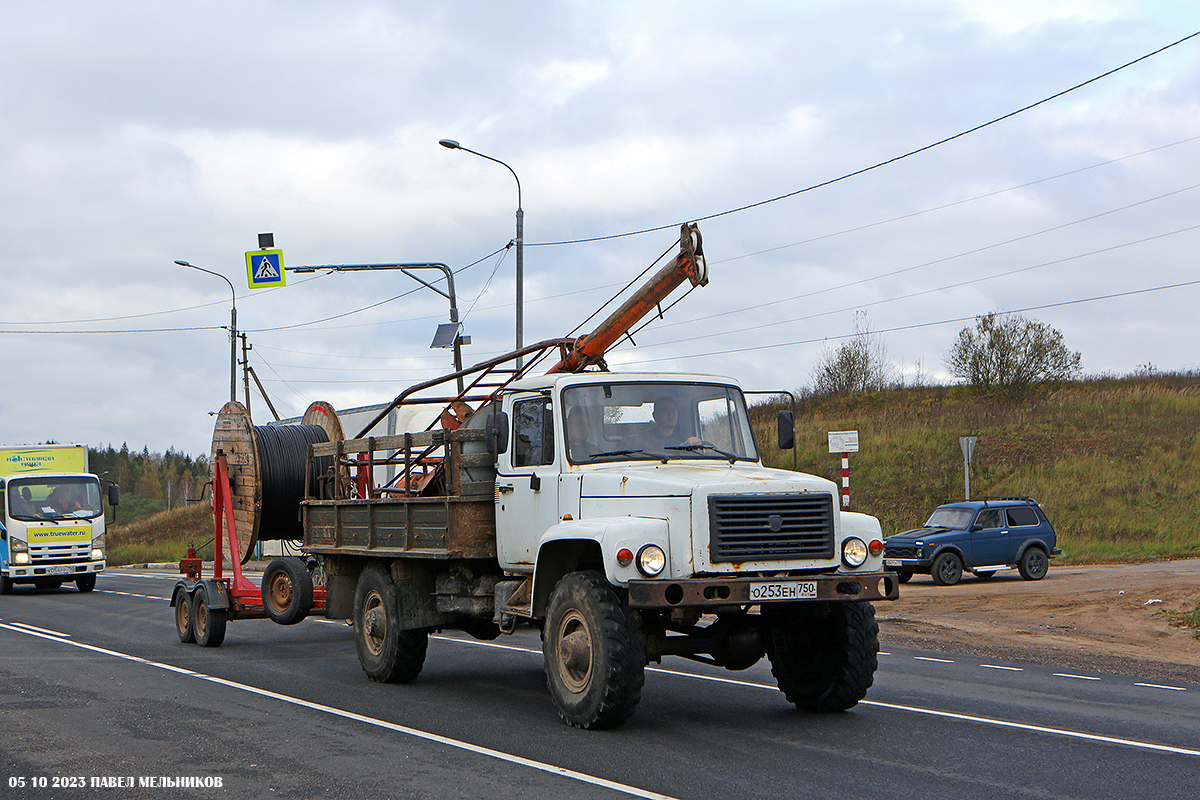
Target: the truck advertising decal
(46, 535)
(43, 459)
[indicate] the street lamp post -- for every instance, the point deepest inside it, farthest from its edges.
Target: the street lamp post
(520, 241)
(232, 329)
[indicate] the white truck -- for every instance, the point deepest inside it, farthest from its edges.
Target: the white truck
(52, 528)
(627, 516)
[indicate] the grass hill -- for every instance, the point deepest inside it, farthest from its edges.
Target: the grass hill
(1115, 462)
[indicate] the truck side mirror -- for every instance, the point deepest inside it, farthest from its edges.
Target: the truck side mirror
(496, 434)
(787, 430)
(114, 494)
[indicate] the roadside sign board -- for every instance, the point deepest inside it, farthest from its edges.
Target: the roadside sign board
(967, 443)
(843, 441)
(264, 269)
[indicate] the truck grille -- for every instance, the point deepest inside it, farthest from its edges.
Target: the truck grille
(60, 553)
(901, 551)
(770, 527)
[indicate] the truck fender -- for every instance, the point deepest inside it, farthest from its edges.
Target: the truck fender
(593, 544)
(218, 597)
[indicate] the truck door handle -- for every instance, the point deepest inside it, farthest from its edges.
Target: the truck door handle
(505, 488)
(535, 483)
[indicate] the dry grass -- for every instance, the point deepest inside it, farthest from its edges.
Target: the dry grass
(162, 537)
(1114, 462)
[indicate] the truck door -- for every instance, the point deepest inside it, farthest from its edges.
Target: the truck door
(526, 483)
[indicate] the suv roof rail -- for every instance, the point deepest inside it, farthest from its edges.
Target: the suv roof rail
(985, 500)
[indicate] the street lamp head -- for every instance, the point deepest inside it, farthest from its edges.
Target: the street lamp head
(183, 263)
(449, 143)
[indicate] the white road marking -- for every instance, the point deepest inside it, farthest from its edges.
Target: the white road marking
(379, 723)
(996, 666)
(1160, 686)
(1092, 737)
(1076, 677)
(937, 660)
(130, 594)
(41, 630)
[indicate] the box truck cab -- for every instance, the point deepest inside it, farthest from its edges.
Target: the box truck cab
(53, 518)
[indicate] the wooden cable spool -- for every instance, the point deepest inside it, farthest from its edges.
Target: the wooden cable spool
(266, 470)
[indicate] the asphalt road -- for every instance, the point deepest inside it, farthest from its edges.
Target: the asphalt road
(97, 687)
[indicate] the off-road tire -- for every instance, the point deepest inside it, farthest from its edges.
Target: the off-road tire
(904, 575)
(823, 655)
(86, 582)
(386, 653)
(207, 622)
(1034, 564)
(947, 569)
(594, 651)
(984, 574)
(184, 624)
(287, 590)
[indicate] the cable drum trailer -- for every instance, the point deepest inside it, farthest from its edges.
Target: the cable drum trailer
(627, 517)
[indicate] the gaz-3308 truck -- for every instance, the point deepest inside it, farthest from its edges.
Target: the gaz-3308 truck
(627, 516)
(53, 517)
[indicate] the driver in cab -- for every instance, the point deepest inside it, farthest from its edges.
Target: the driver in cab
(663, 433)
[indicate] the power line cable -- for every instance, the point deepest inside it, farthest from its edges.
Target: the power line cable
(885, 163)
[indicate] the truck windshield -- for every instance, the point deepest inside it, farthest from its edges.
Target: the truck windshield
(54, 498)
(953, 518)
(639, 420)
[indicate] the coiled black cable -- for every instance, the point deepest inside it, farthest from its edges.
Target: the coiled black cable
(282, 453)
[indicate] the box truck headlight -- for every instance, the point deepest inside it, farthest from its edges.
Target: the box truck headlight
(19, 551)
(651, 560)
(854, 552)
(98, 549)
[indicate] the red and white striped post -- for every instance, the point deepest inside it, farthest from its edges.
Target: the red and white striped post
(844, 442)
(845, 480)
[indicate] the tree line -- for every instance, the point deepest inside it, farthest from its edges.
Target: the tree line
(150, 482)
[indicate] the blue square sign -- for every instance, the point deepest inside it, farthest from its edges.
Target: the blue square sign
(264, 269)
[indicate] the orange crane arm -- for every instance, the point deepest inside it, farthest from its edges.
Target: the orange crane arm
(688, 265)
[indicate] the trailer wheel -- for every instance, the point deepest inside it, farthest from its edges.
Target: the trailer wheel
(86, 582)
(183, 616)
(208, 623)
(595, 652)
(287, 590)
(386, 653)
(823, 655)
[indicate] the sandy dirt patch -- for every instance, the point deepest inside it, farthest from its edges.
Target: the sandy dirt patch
(1107, 618)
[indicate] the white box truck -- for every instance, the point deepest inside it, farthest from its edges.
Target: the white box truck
(52, 530)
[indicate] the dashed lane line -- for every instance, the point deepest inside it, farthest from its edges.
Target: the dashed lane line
(487, 752)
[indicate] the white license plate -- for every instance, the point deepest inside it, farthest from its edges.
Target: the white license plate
(891, 562)
(59, 570)
(783, 590)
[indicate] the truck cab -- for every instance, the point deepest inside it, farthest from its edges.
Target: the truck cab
(53, 530)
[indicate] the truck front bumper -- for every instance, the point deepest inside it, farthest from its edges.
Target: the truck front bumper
(65, 571)
(709, 592)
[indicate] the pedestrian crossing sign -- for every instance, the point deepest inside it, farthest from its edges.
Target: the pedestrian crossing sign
(264, 269)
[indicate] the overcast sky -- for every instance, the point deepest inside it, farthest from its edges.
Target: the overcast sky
(135, 134)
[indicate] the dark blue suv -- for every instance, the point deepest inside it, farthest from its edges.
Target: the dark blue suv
(983, 536)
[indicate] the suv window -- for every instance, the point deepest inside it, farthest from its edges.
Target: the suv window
(988, 518)
(1022, 516)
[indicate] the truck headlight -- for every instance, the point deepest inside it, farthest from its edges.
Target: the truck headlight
(651, 560)
(98, 548)
(854, 552)
(19, 550)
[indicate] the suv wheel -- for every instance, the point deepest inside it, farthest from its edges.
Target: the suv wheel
(1033, 564)
(947, 569)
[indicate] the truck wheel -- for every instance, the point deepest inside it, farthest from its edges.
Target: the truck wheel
(208, 623)
(183, 616)
(1033, 564)
(386, 653)
(6, 584)
(824, 656)
(947, 570)
(86, 582)
(594, 651)
(287, 590)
